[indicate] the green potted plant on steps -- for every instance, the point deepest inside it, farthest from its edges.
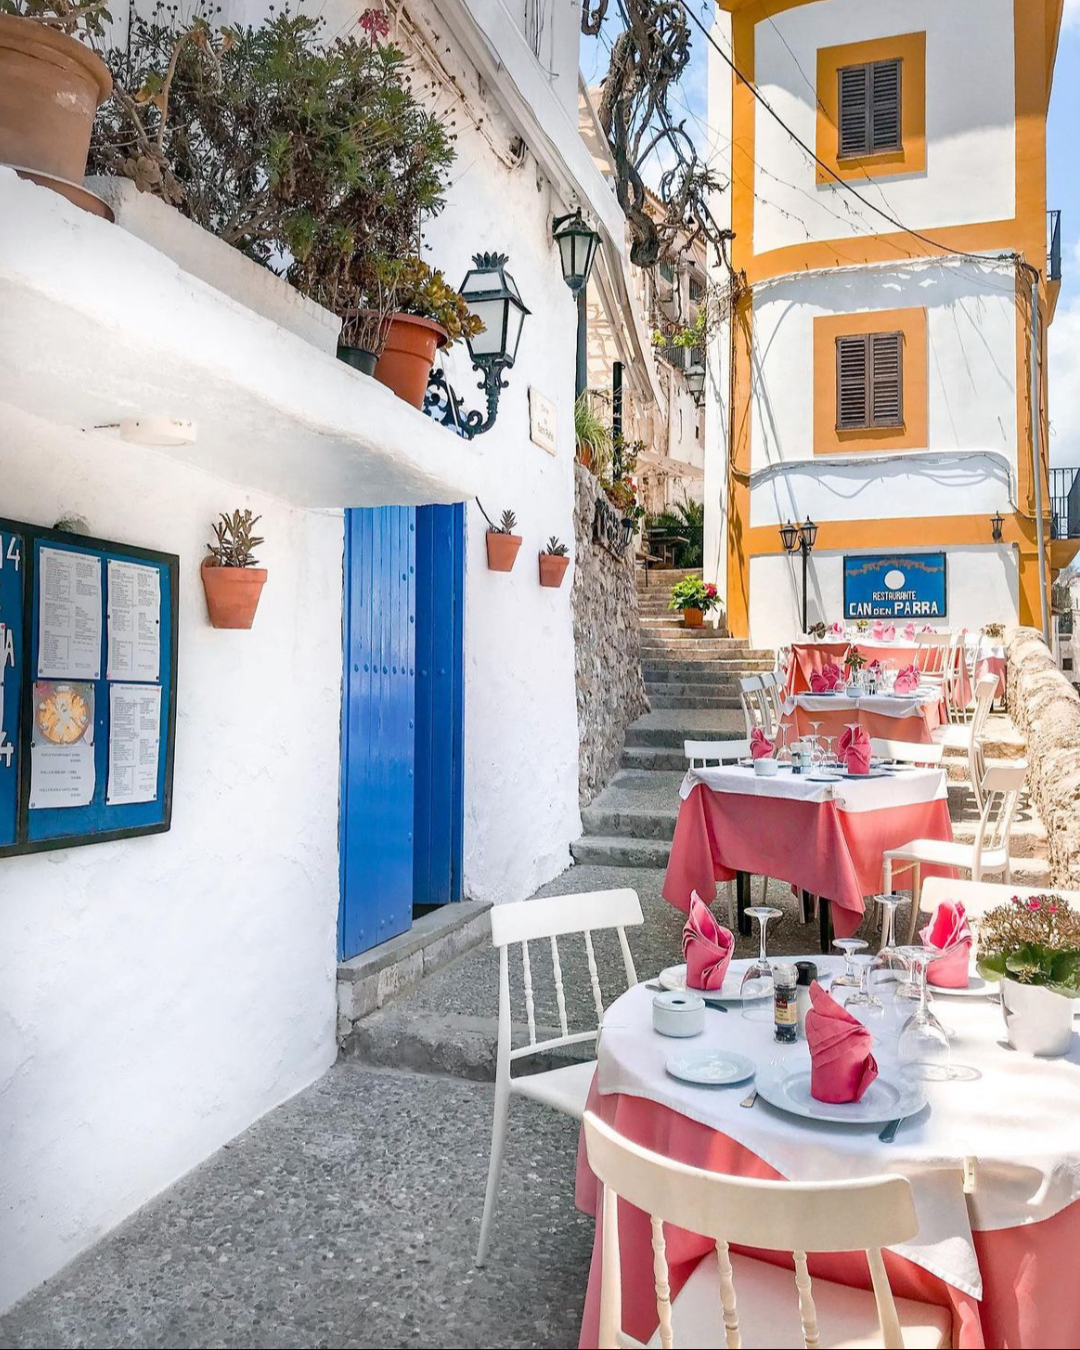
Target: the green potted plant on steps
(694, 598)
(554, 560)
(232, 581)
(503, 543)
(1032, 945)
(592, 436)
(51, 84)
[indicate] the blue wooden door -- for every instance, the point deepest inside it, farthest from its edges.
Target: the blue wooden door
(440, 594)
(378, 727)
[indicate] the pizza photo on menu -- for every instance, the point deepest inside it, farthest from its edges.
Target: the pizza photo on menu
(63, 713)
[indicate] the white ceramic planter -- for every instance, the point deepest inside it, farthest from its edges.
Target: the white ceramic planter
(1037, 1021)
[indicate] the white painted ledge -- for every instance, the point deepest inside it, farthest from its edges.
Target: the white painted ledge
(96, 325)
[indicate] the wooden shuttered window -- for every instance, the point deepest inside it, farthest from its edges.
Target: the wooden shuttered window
(869, 381)
(870, 109)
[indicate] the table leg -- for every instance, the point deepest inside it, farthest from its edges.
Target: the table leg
(806, 902)
(742, 900)
(825, 919)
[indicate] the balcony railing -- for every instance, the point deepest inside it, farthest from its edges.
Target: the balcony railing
(1065, 503)
(1053, 245)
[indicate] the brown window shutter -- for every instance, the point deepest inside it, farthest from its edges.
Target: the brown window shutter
(886, 380)
(885, 106)
(854, 111)
(852, 382)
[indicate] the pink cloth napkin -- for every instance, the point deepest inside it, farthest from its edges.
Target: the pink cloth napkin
(706, 946)
(828, 677)
(907, 680)
(854, 750)
(948, 929)
(883, 632)
(909, 632)
(841, 1065)
(928, 627)
(836, 629)
(760, 745)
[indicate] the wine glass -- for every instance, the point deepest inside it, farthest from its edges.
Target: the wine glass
(849, 979)
(783, 754)
(756, 989)
(864, 1004)
(887, 962)
(815, 742)
(923, 1047)
(830, 759)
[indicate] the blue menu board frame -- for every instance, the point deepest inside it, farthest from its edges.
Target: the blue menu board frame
(23, 830)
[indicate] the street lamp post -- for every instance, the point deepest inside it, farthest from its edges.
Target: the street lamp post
(577, 251)
(803, 538)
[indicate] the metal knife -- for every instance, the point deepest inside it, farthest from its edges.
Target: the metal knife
(888, 1134)
(750, 1098)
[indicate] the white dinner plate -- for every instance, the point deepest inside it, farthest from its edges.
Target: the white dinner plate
(824, 777)
(675, 978)
(976, 987)
(874, 773)
(887, 1097)
(710, 1068)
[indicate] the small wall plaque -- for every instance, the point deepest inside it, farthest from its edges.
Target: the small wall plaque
(543, 421)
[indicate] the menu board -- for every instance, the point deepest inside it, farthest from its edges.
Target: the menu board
(88, 643)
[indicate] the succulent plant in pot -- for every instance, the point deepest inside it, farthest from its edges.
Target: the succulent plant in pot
(503, 543)
(51, 84)
(554, 560)
(231, 578)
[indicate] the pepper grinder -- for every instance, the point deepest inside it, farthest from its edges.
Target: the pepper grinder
(806, 974)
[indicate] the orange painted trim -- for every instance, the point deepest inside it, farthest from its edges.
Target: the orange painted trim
(910, 48)
(914, 434)
(741, 404)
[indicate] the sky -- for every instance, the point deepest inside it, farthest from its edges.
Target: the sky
(1063, 191)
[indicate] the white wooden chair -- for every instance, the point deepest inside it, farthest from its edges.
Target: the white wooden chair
(907, 752)
(985, 692)
(700, 754)
(564, 1089)
(755, 705)
(988, 853)
(979, 896)
(776, 1307)
(772, 688)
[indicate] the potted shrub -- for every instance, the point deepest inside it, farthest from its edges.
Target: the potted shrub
(1033, 947)
(503, 543)
(695, 598)
(592, 436)
(554, 560)
(51, 84)
(232, 581)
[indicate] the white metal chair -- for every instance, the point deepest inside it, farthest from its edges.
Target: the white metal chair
(566, 1088)
(907, 752)
(776, 1307)
(988, 853)
(985, 691)
(755, 705)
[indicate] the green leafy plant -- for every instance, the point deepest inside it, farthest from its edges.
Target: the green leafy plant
(555, 548)
(507, 524)
(236, 540)
(592, 434)
(1034, 941)
(684, 524)
(862, 625)
(693, 593)
(854, 660)
(76, 18)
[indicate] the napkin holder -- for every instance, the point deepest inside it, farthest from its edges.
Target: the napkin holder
(678, 1013)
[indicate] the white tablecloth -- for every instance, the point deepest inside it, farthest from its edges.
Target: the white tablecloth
(907, 787)
(1018, 1120)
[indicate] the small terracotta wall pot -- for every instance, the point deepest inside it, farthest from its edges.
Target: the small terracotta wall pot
(693, 618)
(50, 88)
(553, 568)
(502, 549)
(232, 593)
(408, 356)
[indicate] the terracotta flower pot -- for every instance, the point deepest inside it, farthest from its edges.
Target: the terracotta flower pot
(408, 356)
(693, 618)
(50, 88)
(553, 568)
(232, 593)
(502, 549)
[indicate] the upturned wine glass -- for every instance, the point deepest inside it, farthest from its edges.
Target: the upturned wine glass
(756, 989)
(849, 979)
(923, 1047)
(864, 1003)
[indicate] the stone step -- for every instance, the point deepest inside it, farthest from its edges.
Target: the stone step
(721, 675)
(676, 635)
(650, 758)
(670, 727)
(616, 851)
(1028, 841)
(726, 689)
(664, 619)
(696, 700)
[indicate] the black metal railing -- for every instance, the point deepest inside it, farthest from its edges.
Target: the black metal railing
(1065, 503)
(1053, 245)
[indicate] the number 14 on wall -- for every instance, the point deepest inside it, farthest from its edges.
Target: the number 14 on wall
(12, 555)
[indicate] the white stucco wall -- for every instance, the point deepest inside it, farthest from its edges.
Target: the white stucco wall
(970, 119)
(159, 994)
(982, 587)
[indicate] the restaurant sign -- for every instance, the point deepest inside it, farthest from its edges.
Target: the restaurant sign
(895, 586)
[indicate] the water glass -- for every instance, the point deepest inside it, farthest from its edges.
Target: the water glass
(850, 978)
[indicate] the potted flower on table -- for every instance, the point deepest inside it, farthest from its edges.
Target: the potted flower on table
(695, 598)
(1032, 945)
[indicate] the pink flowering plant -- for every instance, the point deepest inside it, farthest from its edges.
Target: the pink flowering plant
(1034, 940)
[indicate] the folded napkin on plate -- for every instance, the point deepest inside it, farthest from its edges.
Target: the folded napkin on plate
(707, 947)
(909, 632)
(928, 628)
(854, 750)
(828, 677)
(883, 632)
(907, 680)
(841, 1065)
(836, 630)
(948, 930)
(760, 745)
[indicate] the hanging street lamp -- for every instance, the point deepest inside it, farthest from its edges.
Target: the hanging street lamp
(802, 538)
(578, 245)
(996, 522)
(695, 383)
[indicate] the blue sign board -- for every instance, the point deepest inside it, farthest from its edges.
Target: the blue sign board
(895, 586)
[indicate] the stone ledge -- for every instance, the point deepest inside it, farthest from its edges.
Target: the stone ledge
(366, 982)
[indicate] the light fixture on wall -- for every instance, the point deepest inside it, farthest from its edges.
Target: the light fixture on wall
(577, 249)
(156, 431)
(996, 522)
(801, 538)
(695, 383)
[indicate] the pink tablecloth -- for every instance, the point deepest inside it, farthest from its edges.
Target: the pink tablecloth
(806, 657)
(1030, 1295)
(992, 665)
(813, 845)
(917, 730)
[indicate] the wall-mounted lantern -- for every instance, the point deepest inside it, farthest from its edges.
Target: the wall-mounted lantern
(577, 249)
(996, 522)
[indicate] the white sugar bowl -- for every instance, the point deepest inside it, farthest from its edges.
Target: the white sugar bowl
(678, 1013)
(766, 768)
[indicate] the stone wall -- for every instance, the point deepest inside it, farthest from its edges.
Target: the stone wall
(610, 689)
(1046, 709)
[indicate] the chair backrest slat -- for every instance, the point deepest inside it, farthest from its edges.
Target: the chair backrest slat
(530, 1008)
(907, 752)
(560, 993)
(807, 1310)
(594, 977)
(985, 691)
(1001, 787)
(661, 1283)
(702, 753)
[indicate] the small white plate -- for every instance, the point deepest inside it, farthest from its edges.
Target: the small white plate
(675, 978)
(823, 777)
(710, 1068)
(887, 1097)
(976, 987)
